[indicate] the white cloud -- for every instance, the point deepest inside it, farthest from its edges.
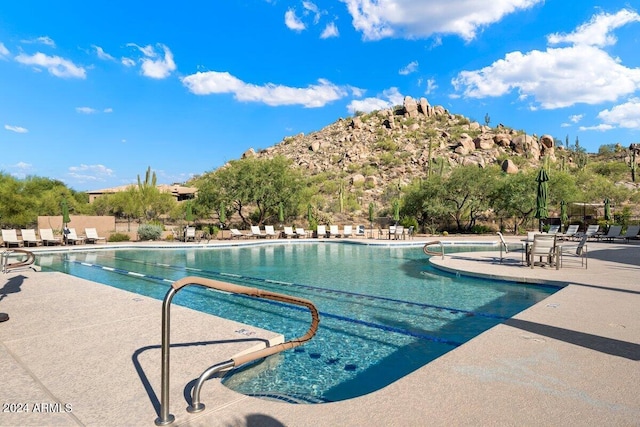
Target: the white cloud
(154, 65)
(127, 62)
(45, 40)
(625, 115)
(330, 31)
(16, 129)
(3, 50)
(20, 170)
(102, 54)
(557, 77)
(601, 128)
(411, 67)
(213, 82)
(86, 110)
(108, 110)
(597, 32)
(378, 19)
(311, 7)
(292, 21)
(431, 86)
(575, 118)
(89, 173)
(389, 98)
(56, 65)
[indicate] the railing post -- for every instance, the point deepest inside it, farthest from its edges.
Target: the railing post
(165, 417)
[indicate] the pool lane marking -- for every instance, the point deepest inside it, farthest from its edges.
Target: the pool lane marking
(323, 290)
(324, 314)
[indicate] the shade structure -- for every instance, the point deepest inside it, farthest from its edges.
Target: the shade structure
(396, 211)
(65, 212)
(541, 198)
(607, 209)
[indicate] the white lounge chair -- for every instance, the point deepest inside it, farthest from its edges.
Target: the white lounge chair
(360, 231)
(300, 232)
(321, 231)
(270, 232)
(579, 250)
(256, 232)
(190, 234)
(73, 238)
(29, 237)
(504, 248)
(544, 246)
(236, 234)
(46, 234)
(631, 233)
(10, 238)
(570, 231)
(334, 231)
(553, 229)
(92, 236)
(288, 232)
(589, 232)
(347, 231)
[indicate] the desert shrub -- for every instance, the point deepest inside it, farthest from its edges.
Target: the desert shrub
(149, 232)
(481, 229)
(119, 237)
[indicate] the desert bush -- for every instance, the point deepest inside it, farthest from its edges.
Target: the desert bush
(119, 237)
(149, 232)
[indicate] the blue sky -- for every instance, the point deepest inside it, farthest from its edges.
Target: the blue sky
(92, 93)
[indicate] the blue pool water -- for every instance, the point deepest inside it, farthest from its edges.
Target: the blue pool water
(384, 311)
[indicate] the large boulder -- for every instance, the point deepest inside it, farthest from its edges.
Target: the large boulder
(509, 167)
(410, 107)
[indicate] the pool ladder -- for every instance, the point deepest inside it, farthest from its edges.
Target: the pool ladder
(8, 266)
(428, 251)
(165, 417)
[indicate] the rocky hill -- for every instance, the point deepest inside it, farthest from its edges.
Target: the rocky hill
(371, 151)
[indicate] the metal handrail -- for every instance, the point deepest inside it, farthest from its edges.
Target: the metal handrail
(427, 251)
(6, 265)
(196, 406)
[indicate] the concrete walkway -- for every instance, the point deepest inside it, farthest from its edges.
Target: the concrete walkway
(79, 353)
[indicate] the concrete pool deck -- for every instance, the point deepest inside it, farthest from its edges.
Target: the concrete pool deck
(572, 359)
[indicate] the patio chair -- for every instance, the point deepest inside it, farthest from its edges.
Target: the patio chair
(256, 232)
(334, 231)
(347, 231)
(553, 229)
(589, 232)
(300, 232)
(270, 232)
(321, 231)
(544, 247)
(360, 231)
(572, 250)
(46, 234)
(190, 234)
(398, 232)
(29, 237)
(73, 238)
(288, 232)
(236, 234)
(10, 238)
(631, 233)
(613, 232)
(504, 248)
(91, 236)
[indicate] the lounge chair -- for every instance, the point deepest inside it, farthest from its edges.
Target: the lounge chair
(10, 238)
(92, 236)
(334, 231)
(270, 232)
(613, 232)
(589, 232)
(553, 229)
(29, 237)
(321, 231)
(288, 232)
(73, 238)
(256, 232)
(631, 233)
(236, 234)
(190, 234)
(579, 250)
(360, 231)
(570, 232)
(46, 234)
(399, 232)
(504, 248)
(300, 232)
(544, 246)
(347, 231)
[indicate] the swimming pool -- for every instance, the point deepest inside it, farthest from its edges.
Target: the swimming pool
(384, 311)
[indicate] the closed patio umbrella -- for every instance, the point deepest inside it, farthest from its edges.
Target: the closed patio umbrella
(542, 195)
(607, 209)
(280, 213)
(396, 211)
(65, 218)
(564, 218)
(223, 214)
(189, 212)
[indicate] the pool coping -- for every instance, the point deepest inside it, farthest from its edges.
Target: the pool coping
(565, 361)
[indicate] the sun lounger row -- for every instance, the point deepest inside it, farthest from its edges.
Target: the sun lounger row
(47, 237)
(287, 232)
